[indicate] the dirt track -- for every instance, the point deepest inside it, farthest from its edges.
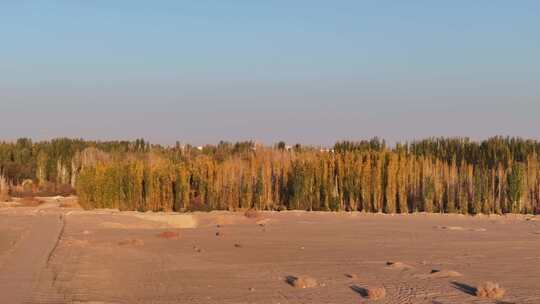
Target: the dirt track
(57, 255)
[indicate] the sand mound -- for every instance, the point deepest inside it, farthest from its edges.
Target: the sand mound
(252, 214)
(220, 218)
(397, 265)
(376, 293)
(92, 302)
(131, 242)
(153, 221)
(490, 290)
(302, 282)
(115, 225)
(440, 274)
(263, 222)
(79, 243)
(171, 220)
(459, 228)
(228, 219)
(453, 228)
(169, 235)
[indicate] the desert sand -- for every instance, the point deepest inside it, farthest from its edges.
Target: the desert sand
(57, 253)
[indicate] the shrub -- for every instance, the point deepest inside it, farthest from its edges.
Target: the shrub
(376, 293)
(490, 290)
(302, 282)
(4, 190)
(30, 201)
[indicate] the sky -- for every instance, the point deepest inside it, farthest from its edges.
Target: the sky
(310, 72)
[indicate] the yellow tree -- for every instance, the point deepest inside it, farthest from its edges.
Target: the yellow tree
(377, 182)
(402, 183)
(391, 182)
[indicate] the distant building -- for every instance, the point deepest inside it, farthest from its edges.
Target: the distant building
(326, 150)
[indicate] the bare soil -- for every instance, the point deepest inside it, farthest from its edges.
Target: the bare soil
(53, 254)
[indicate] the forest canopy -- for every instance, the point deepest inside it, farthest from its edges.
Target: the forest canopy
(450, 175)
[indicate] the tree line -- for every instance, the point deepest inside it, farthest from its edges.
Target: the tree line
(446, 175)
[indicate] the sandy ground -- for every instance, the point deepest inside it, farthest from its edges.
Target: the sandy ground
(50, 254)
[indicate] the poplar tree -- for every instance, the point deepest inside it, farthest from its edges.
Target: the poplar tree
(515, 193)
(391, 183)
(402, 183)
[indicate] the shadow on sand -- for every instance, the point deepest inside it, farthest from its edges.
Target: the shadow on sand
(468, 289)
(290, 280)
(360, 290)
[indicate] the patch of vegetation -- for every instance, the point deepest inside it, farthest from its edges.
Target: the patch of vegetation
(451, 175)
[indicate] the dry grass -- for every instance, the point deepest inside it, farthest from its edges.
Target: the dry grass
(376, 293)
(30, 201)
(490, 290)
(302, 282)
(44, 190)
(4, 190)
(69, 203)
(4, 197)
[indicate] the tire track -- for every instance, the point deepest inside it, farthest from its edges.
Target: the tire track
(22, 271)
(58, 238)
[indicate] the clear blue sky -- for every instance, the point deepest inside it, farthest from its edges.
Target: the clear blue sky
(300, 71)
